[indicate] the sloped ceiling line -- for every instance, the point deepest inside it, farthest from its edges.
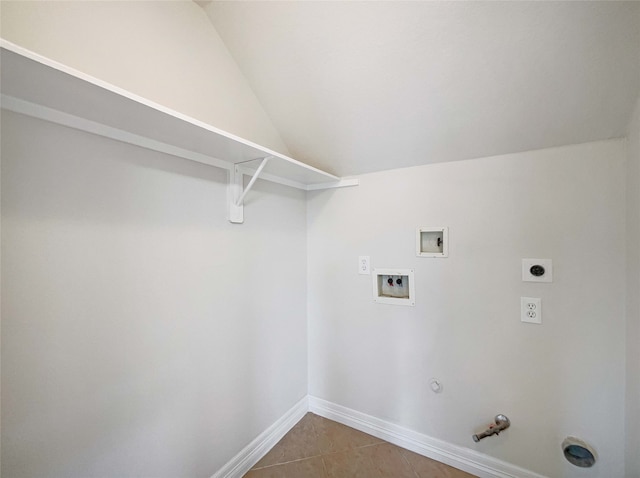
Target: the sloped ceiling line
(355, 87)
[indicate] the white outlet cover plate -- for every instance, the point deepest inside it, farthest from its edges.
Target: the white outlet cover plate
(527, 276)
(364, 265)
(531, 310)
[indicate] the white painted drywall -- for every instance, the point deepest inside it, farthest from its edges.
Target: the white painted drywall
(633, 297)
(357, 87)
(142, 333)
(564, 377)
(165, 51)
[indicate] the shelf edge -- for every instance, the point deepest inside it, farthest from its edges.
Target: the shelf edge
(9, 46)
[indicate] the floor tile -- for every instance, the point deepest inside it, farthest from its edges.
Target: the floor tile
(375, 461)
(300, 442)
(428, 468)
(307, 468)
(353, 464)
(389, 461)
(320, 448)
(334, 437)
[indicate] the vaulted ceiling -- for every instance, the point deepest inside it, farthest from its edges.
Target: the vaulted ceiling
(355, 87)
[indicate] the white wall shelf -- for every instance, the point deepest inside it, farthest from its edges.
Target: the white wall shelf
(39, 87)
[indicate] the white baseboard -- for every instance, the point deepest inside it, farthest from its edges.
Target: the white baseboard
(479, 464)
(254, 451)
(465, 459)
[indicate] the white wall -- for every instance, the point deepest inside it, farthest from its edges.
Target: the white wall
(142, 333)
(166, 51)
(565, 377)
(633, 297)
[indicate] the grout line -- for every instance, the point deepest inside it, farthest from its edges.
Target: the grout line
(324, 467)
(404, 457)
(321, 455)
(287, 462)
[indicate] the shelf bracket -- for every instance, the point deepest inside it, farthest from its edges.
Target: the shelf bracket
(237, 192)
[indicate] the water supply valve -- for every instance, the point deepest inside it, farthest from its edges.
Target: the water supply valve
(501, 423)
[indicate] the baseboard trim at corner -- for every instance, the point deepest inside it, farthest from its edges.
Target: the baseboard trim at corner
(465, 459)
(254, 451)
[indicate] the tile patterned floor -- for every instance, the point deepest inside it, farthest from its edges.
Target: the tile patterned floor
(320, 448)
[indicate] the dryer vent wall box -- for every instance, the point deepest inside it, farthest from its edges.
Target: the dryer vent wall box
(394, 286)
(432, 242)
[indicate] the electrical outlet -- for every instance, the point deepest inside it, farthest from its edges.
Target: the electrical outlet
(531, 310)
(363, 265)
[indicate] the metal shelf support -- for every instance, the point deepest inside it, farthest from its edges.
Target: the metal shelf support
(236, 192)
